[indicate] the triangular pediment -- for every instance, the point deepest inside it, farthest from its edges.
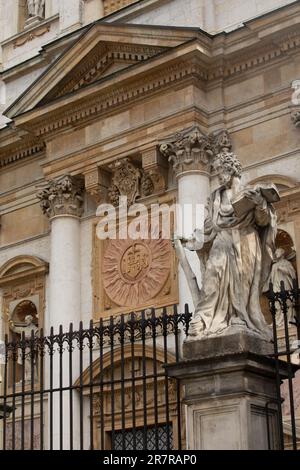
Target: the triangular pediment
(102, 50)
(103, 60)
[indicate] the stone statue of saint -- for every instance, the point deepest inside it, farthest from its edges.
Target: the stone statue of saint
(36, 8)
(282, 270)
(28, 360)
(239, 239)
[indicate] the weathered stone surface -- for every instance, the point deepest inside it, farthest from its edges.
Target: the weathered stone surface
(232, 343)
(227, 394)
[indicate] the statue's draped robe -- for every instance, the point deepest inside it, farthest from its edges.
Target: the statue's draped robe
(239, 262)
(35, 8)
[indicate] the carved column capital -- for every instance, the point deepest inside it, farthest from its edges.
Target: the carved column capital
(193, 151)
(62, 196)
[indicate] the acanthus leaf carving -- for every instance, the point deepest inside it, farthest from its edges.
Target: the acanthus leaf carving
(192, 150)
(62, 196)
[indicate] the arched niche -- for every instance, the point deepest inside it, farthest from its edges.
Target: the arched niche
(282, 182)
(285, 242)
(23, 284)
(22, 310)
(287, 214)
(101, 372)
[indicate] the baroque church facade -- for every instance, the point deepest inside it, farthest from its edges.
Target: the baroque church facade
(107, 98)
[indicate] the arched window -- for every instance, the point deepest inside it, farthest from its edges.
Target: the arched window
(23, 282)
(145, 392)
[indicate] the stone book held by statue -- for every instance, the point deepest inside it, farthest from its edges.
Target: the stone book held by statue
(243, 203)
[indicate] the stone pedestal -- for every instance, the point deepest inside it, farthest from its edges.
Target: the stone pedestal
(229, 390)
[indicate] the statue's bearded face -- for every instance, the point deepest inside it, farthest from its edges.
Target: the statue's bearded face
(225, 178)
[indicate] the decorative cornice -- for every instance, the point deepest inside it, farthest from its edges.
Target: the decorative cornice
(191, 150)
(62, 196)
(220, 58)
(8, 157)
(118, 96)
(258, 57)
(178, 71)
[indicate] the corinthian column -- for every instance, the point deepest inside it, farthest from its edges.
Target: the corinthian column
(191, 154)
(62, 200)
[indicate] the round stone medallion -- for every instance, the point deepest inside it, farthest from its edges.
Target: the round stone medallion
(135, 271)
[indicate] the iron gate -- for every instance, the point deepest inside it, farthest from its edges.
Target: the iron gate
(104, 387)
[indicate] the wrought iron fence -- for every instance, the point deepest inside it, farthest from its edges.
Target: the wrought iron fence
(104, 387)
(285, 311)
